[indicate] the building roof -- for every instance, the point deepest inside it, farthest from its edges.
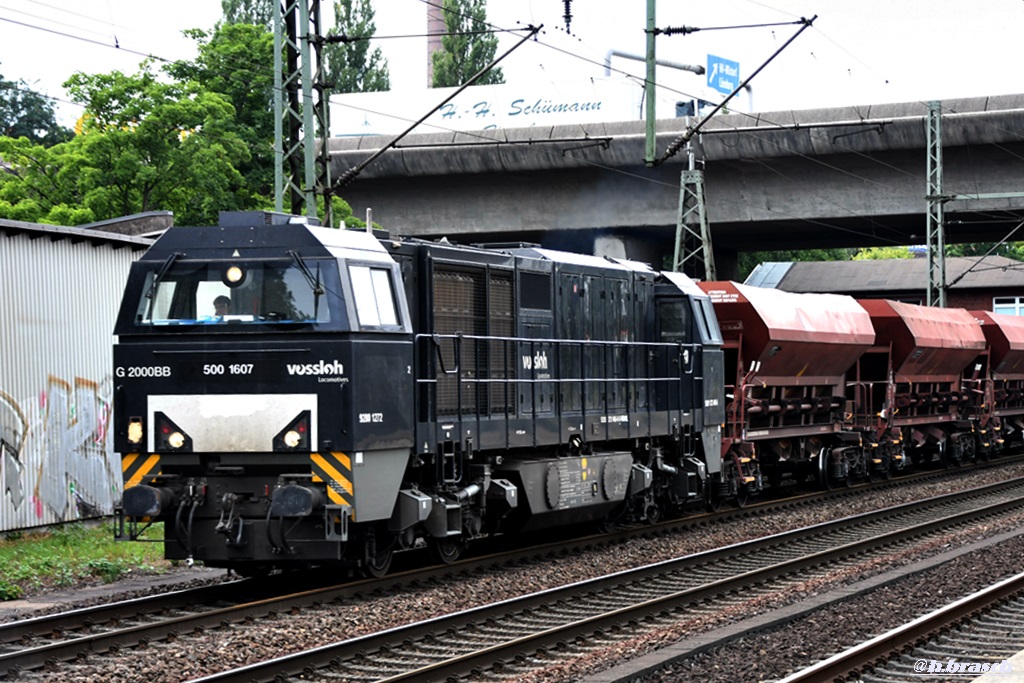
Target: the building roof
(892, 275)
(55, 232)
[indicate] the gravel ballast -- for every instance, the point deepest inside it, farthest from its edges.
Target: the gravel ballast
(194, 655)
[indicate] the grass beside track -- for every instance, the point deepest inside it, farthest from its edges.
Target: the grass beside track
(70, 555)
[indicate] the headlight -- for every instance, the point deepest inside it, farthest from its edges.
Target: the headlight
(135, 430)
(169, 436)
(233, 276)
(176, 440)
(295, 435)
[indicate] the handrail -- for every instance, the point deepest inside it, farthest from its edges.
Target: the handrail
(636, 361)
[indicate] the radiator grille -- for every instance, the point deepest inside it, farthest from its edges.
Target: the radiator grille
(473, 303)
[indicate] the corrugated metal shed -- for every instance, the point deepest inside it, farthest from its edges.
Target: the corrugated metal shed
(60, 289)
(768, 274)
(993, 272)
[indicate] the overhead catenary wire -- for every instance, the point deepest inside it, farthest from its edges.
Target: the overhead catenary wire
(351, 173)
(154, 56)
(428, 2)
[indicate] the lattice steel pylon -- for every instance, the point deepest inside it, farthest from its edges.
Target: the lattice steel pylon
(302, 165)
(694, 255)
(935, 225)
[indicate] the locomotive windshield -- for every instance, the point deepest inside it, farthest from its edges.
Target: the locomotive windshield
(179, 292)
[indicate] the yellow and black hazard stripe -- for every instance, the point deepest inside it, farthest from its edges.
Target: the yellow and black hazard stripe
(335, 469)
(135, 467)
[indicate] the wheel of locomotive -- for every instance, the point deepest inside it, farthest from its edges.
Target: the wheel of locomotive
(652, 512)
(712, 501)
(447, 550)
(378, 551)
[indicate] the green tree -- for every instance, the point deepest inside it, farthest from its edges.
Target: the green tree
(349, 66)
(353, 66)
(1014, 250)
(230, 57)
(882, 253)
(143, 145)
(150, 145)
(232, 62)
(467, 48)
(26, 113)
(256, 12)
(39, 183)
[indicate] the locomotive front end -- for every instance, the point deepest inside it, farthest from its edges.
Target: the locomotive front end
(258, 399)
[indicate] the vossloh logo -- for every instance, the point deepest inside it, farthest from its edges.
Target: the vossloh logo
(322, 368)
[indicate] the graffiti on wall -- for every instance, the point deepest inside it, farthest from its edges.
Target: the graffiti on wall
(56, 462)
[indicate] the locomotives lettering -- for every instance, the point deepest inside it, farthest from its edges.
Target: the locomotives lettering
(322, 368)
(143, 371)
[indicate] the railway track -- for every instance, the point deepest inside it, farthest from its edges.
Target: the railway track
(34, 643)
(506, 639)
(972, 636)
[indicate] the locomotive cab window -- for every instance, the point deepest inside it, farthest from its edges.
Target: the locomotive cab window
(225, 293)
(374, 296)
(673, 321)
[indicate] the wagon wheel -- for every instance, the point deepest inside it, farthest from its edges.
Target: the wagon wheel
(883, 472)
(742, 493)
(827, 481)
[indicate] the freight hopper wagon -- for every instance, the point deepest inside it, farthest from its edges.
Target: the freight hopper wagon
(786, 357)
(348, 397)
(997, 383)
(908, 391)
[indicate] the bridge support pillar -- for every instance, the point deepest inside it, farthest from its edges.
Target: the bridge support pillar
(642, 249)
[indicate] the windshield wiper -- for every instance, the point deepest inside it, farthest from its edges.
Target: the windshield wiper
(160, 274)
(156, 282)
(314, 283)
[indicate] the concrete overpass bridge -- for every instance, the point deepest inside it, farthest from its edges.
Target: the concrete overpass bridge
(844, 177)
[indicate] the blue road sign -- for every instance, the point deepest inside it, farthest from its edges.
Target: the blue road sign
(723, 74)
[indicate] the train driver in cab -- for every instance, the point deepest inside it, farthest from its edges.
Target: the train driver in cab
(221, 305)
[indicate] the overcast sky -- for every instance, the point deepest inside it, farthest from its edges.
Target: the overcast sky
(856, 53)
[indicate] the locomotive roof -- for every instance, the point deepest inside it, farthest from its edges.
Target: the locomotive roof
(581, 259)
(684, 283)
(267, 241)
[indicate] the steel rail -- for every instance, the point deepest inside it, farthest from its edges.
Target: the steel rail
(66, 629)
(536, 606)
(892, 643)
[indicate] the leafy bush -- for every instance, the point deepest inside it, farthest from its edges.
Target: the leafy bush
(10, 591)
(64, 555)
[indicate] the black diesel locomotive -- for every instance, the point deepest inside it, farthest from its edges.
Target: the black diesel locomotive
(348, 396)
